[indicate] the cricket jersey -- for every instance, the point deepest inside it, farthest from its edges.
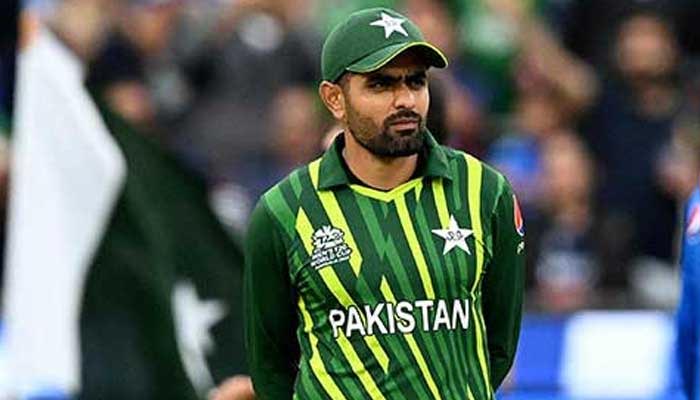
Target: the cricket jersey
(358, 293)
(689, 307)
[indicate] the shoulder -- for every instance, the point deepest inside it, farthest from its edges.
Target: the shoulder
(289, 189)
(490, 179)
(282, 201)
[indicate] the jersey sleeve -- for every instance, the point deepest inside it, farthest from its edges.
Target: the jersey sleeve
(270, 316)
(502, 289)
(688, 317)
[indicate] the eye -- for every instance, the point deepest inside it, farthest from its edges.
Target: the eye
(417, 82)
(378, 85)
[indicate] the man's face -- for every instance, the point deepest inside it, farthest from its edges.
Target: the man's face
(385, 110)
(645, 48)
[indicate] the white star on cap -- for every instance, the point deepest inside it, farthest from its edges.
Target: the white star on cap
(454, 236)
(390, 25)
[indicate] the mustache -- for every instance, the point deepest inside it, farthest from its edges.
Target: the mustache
(402, 115)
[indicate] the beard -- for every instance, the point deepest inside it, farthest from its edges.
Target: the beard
(385, 141)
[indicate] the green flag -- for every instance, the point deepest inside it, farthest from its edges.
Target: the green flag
(165, 275)
(120, 281)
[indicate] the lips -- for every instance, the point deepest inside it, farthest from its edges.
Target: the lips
(404, 123)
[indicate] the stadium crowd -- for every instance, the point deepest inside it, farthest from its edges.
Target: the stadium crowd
(591, 108)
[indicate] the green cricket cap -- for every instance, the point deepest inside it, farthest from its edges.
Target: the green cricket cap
(368, 39)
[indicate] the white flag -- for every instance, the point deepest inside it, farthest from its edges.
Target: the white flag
(66, 174)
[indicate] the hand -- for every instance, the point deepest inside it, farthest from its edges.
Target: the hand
(239, 387)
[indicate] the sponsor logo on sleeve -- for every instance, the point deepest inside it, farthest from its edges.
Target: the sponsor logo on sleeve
(518, 218)
(693, 227)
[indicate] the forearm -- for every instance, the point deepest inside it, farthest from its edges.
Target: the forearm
(272, 358)
(503, 288)
(270, 317)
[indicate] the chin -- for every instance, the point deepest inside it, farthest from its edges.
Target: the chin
(400, 147)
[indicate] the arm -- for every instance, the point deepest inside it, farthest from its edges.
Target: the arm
(502, 288)
(689, 316)
(270, 317)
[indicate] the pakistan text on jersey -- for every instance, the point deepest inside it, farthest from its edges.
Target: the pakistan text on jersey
(402, 317)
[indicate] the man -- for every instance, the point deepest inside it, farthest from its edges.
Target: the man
(627, 131)
(689, 308)
(391, 267)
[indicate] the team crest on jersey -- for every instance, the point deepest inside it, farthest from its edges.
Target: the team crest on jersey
(329, 247)
(454, 236)
(518, 217)
(693, 227)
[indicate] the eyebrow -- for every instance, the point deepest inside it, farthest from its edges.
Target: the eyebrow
(381, 77)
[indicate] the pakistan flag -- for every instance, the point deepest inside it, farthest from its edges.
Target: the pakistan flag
(120, 282)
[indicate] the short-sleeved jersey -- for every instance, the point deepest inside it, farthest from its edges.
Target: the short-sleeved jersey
(411, 293)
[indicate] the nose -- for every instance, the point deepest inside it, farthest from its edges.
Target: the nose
(404, 97)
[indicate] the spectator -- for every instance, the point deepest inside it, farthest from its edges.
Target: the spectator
(587, 26)
(627, 130)
(566, 271)
(552, 89)
(688, 315)
(133, 62)
(261, 49)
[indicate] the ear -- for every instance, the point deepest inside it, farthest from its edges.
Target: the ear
(334, 99)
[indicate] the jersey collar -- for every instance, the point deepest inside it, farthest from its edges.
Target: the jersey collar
(332, 171)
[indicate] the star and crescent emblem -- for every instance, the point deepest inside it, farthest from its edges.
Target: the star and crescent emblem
(194, 319)
(454, 236)
(390, 25)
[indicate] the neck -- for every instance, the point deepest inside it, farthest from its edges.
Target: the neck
(383, 173)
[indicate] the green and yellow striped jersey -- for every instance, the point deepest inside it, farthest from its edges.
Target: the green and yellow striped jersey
(412, 293)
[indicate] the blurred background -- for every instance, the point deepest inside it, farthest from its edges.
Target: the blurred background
(591, 108)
